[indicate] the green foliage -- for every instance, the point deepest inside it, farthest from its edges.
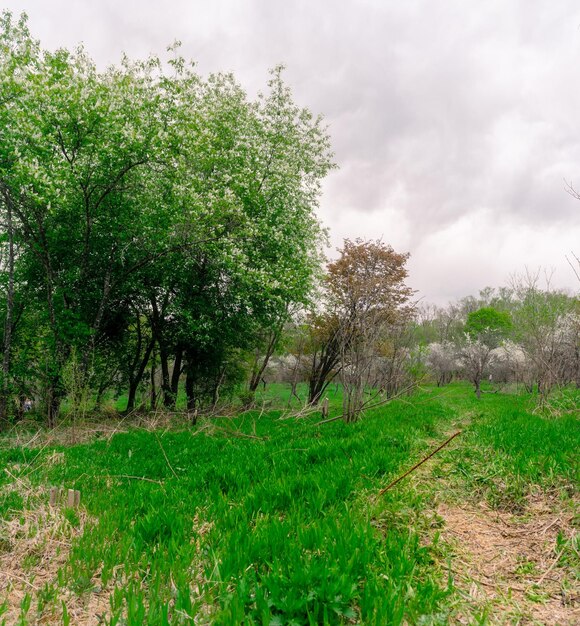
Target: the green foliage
(510, 449)
(271, 517)
(488, 324)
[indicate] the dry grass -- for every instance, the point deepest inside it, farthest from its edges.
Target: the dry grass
(34, 546)
(511, 566)
(27, 434)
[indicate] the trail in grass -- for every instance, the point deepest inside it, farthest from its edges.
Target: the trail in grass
(509, 517)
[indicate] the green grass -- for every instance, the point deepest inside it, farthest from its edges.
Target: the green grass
(509, 446)
(271, 521)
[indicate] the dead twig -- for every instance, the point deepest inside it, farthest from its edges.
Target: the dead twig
(22, 580)
(554, 563)
(400, 478)
(149, 480)
(165, 455)
(330, 419)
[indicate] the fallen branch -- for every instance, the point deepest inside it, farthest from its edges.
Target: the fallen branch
(149, 480)
(165, 455)
(330, 419)
(554, 563)
(397, 480)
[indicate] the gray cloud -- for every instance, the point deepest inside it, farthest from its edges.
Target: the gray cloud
(453, 122)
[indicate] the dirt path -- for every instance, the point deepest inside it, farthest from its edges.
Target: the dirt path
(515, 568)
(508, 568)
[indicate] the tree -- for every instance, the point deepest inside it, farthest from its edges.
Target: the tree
(367, 294)
(9, 317)
(544, 324)
(268, 342)
(323, 350)
(475, 357)
(74, 146)
(485, 329)
(261, 168)
(442, 361)
(153, 211)
(489, 325)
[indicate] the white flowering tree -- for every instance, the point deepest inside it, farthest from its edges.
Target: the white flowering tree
(145, 197)
(485, 329)
(442, 361)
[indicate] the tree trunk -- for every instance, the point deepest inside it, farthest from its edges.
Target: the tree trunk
(153, 389)
(158, 327)
(136, 377)
(175, 375)
(3, 411)
(53, 404)
(352, 400)
(132, 394)
(5, 391)
(323, 371)
(100, 392)
(190, 394)
(317, 385)
(259, 368)
(168, 399)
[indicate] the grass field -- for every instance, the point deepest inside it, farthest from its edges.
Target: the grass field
(259, 519)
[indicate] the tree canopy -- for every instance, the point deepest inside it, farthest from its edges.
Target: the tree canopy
(488, 325)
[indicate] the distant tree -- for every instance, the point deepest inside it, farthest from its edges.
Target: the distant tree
(541, 329)
(485, 329)
(442, 361)
(475, 357)
(438, 324)
(489, 325)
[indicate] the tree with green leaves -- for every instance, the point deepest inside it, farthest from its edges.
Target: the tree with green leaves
(485, 329)
(489, 325)
(152, 201)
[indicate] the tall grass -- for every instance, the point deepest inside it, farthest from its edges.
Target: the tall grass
(269, 521)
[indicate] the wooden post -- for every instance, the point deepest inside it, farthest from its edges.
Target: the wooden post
(324, 408)
(53, 496)
(70, 502)
(77, 498)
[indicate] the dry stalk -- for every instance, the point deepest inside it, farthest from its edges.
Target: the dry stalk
(165, 455)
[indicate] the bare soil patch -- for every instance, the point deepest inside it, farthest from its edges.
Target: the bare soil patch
(515, 569)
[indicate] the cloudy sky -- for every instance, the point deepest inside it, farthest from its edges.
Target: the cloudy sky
(455, 123)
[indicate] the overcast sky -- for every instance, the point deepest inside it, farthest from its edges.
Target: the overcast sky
(455, 123)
